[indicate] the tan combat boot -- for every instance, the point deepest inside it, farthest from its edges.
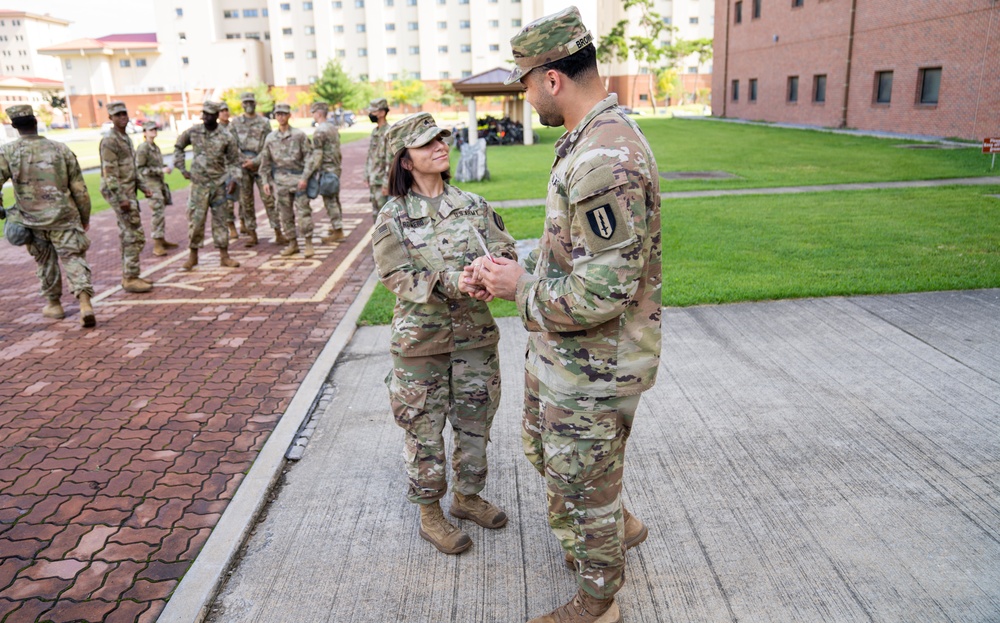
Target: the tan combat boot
(158, 247)
(192, 260)
(167, 244)
(279, 238)
(251, 239)
(291, 249)
(478, 510)
(441, 533)
(136, 285)
(584, 609)
(226, 261)
(635, 533)
(87, 318)
(333, 236)
(53, 309)
(233, 234)
(307, 249)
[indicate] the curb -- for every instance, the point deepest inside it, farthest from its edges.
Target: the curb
(191, 599)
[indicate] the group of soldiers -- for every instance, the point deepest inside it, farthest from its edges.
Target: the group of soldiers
(51, 213)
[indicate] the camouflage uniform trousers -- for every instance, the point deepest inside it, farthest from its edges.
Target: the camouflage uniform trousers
(462, 387)
(577, 443)
(333, 211)
(248, 211)
(70, 247)
(205, 198)
(156, 203)
(378, 200)
(131, 237)
(292, 206)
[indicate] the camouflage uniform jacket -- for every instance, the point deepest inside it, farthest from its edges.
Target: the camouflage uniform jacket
(250, 132)
(326, 150)
(149, 161)
(377, 164)
(420, 254)
(118, 174)
(48, 184)
(593, 302)
(284, 156)
(215, 154)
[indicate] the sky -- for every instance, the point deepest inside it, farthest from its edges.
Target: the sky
(93, 18)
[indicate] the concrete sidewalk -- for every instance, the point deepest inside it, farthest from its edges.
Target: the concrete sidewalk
(820, 460)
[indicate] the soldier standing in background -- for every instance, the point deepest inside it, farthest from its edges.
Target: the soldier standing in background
(326, 159)
(591, 304)
(251, 131)
(149, 165)
(230, 207)
(282, 164)
(118, 187)
(377, 164)
(53, 204)
(216, 159)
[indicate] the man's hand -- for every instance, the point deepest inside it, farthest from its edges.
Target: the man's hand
(186, 174)
(231, 187)
(301, 185)
(248, 164)
(499, 277)
(385, 191)
(167, 170)
(267, 189)
(125, 205)
(468, 284)
(86, 226)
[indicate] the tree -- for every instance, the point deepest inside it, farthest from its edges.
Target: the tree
(334, 87)
(447, 95)
(303, 99)
(646, 47)
(265, 100)
(55, 100)
(407, 92)
(668, 84)
(703, 48)
(613, 47)
(44, 113)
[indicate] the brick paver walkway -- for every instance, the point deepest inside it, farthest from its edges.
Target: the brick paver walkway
(121, 446)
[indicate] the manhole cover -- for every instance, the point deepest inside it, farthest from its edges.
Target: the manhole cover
(697, 175)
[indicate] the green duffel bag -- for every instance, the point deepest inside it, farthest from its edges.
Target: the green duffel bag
(325, 184)
(15, 233)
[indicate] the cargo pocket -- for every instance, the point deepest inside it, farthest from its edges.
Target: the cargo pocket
(407, 401)
(579, 445)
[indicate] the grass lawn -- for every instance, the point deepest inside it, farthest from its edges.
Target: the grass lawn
(761, 156)
(729, 249)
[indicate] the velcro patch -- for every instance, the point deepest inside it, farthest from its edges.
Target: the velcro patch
(498, 221)
(602, 221)
(380, 232)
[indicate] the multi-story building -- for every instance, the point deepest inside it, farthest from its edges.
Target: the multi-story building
(907, 66)
(21, 35)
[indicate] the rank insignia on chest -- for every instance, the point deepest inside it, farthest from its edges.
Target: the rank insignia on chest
(602, 221)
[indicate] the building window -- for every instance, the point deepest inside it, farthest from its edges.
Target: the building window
(753, 90)
(494, 47)
(412, 26)
(185, 60)
(313, 79)
(232, 35)
(463, 23)
(756, 9)
(69, 64)
(411, 2)
(442, 49)
(292, 82)
(362, 51)
(182, 36)
(442, 25)
(797, 3)
(231, 14)
(793, 89)
(286, 31)
(736, 90)
(414, 49)
(338, 28)
(692, 20)
(390, 51)
(691, 70)
(359, 4)
(516, 23)
(466, 48)
(883, 87)
(307, 6)
(310, 30)
(361, 27)
(930, 85)
(363, 77)
(267, 35)
(494, 23)
(252, 35)
(310, 53)
(341, 53)
(390, 3)
(179, 11)
(819, 88)
(466, 73)
(738, 13)
(285, 6)
(337, 4)
(124, 62)
(263, 12)
(441, 1)
(444, 75)
(390, 26)
(393, 76)
(249, 12)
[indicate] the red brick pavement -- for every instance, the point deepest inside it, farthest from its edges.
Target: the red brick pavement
(121, 446)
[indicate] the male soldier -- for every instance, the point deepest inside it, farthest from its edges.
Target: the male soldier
(230, 207)
(282, 164)
(118, 187)
(326, 159)
(251, 130)
(150, 168)
(53, 204)
(216, 160)
(591, 303)
(377, 164)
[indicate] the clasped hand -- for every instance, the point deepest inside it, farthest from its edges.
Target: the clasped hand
(485, 280)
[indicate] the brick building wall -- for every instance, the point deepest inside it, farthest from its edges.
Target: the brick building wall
(905, 37)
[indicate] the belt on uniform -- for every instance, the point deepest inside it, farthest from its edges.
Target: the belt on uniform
(249, 152)
(289, 171)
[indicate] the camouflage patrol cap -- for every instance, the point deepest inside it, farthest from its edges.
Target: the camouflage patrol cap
(116, 107)
(319, 107)
(211, 107)
(150, 125)
(379, 104)
(248, 97)
(223, 106)
(19, 111)
(285, 108)
(548, 39)
(413, 131)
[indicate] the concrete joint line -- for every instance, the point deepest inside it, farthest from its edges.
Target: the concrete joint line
(191, 599)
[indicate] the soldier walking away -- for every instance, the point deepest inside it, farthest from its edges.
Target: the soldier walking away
(119, 188)
(444, 342)
(282, 164)
(326, 159)
(251, 131)
(53, 205)
(149, 165)
(230, 206)
(213, 174)
(377, 163)
(590, 301)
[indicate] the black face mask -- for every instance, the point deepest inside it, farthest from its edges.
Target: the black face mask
(373, 118)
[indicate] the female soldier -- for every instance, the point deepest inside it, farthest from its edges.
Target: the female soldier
(445, 362)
